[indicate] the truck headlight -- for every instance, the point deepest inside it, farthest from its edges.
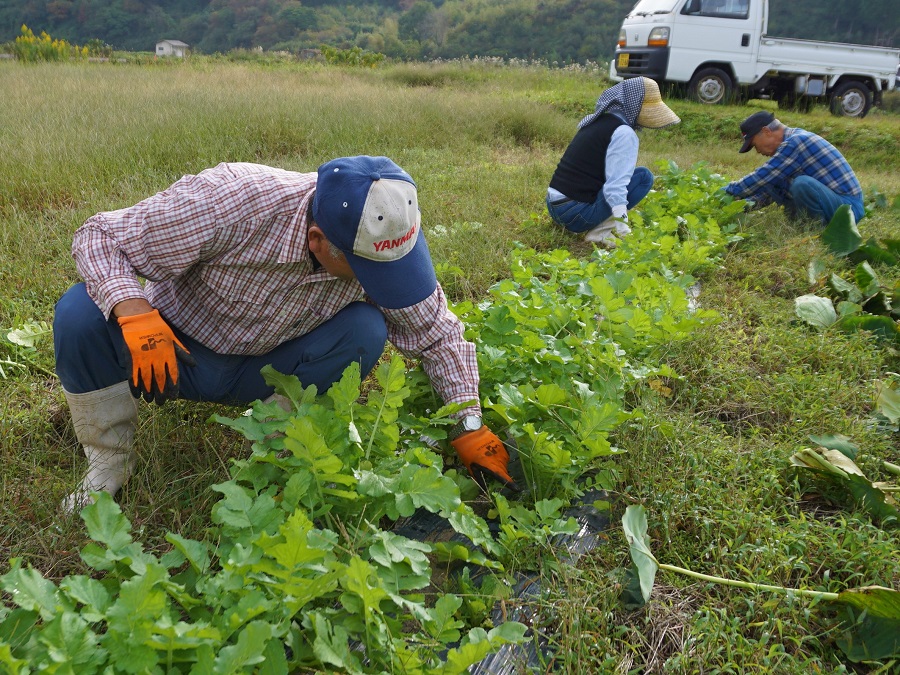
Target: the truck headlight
(659, 37)
(621, 42)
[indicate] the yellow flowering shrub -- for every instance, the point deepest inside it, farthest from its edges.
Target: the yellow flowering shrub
(29, 47)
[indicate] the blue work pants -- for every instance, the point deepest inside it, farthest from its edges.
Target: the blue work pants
(819, 201)
(90, 350)
(581, 216)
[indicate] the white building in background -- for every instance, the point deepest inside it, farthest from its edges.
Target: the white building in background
(172, 48)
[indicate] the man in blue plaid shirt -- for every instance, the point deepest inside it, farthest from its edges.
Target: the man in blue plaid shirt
(806, 174)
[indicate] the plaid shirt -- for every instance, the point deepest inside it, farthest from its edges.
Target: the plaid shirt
(226, 261)
(802, 153)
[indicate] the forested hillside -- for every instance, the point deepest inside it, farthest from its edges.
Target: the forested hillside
(408, 29)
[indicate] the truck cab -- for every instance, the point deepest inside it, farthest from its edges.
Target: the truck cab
(719, 48)
(721, 33)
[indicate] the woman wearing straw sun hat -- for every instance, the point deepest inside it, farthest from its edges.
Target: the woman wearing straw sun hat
(598, 180)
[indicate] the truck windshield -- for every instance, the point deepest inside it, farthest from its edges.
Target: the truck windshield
(648, 7)
(726, 9)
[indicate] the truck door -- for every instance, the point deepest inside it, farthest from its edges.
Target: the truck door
(726, 31)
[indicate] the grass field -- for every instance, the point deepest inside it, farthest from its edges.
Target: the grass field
(710, 461)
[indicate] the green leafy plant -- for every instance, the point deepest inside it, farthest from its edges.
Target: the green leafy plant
(833, 462)
(300, 570)
(563, 339)
(23, 345)
(683, 226)
(355, 56)
(871, 625)
(99, 48)
(887, 404)
(863, 302)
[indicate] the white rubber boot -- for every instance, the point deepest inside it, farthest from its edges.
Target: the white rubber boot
(104, 422)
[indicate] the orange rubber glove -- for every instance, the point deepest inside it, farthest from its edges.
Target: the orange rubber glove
(485, 456)
(152, 355)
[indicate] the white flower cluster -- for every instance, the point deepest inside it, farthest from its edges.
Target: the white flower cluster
(503, 62)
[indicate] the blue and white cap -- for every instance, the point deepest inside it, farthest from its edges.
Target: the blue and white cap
(368, 208)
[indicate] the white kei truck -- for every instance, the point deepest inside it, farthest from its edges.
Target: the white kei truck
(719, 49)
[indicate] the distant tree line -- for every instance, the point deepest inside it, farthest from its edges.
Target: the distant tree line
(561, 30)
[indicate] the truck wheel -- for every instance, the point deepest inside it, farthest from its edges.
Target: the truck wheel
(711, 85)
(851, 99)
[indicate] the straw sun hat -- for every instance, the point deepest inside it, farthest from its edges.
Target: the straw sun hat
(654, 113)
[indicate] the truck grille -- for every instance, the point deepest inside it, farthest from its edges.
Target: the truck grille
(652, 62)
(638, 63)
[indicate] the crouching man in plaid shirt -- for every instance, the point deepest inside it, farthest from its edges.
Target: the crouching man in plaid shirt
(249, 265)
(805, 173)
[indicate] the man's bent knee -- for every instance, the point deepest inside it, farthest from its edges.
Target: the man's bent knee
(86, 357)
(368, 333)
(77, 322)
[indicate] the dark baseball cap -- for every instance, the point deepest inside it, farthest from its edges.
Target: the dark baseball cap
(368, 207)
(753, 125)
